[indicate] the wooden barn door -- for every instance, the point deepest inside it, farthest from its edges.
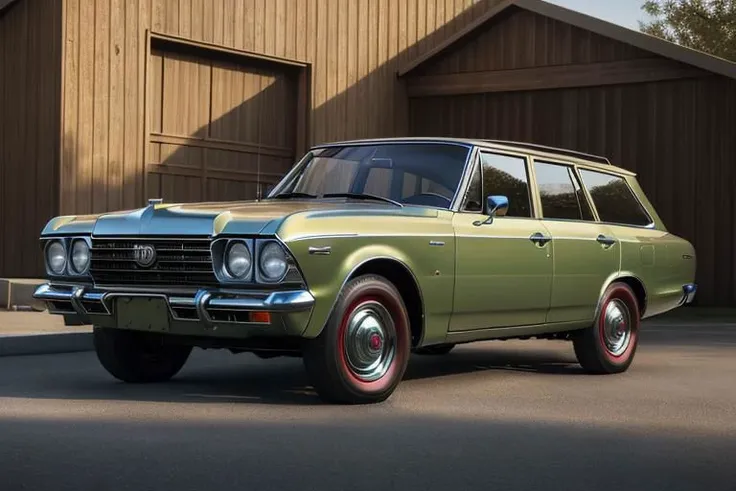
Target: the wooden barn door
(221, 128)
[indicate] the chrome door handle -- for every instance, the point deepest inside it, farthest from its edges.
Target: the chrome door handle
(605, 240)
(540, 239)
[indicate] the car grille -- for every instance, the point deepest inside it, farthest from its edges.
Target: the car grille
(178, 262)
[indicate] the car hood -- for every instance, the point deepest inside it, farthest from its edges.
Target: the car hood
(206, 219)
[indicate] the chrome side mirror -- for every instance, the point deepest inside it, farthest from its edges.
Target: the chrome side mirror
(497, 206)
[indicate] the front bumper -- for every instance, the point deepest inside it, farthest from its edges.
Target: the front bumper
(204, 310)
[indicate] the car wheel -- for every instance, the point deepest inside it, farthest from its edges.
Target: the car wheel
(138, 357)
(361, 354)
(609, 345)
(440, 349)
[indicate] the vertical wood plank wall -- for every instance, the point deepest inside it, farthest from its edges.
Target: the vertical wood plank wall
(30, 89)
(354, 48)
(677, 135)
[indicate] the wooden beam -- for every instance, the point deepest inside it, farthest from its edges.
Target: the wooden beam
(215, 144)
(552, 77)
(182, 41)
(227, 175)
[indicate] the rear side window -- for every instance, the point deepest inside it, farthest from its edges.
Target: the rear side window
(614, 199)
(560, 192)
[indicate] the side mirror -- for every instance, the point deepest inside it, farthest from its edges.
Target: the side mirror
(497, 206)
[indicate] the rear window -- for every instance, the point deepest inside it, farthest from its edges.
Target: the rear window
(614, 199)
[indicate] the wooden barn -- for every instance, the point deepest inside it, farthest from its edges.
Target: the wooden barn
(105, 103)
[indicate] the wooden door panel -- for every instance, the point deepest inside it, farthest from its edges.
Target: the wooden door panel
(217, 129)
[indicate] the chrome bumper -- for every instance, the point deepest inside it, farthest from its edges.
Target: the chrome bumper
(209, 307)
(688, 293)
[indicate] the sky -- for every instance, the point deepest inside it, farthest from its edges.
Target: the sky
(624, 12)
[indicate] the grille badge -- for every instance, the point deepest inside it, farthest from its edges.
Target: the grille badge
(144, 254)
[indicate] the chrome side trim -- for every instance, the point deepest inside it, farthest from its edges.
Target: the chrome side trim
(320, 251)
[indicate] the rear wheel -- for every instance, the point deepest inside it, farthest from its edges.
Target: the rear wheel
(609, 345)
(361, 354)
(138, 357)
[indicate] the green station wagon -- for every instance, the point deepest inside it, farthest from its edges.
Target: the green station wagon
(370, 250)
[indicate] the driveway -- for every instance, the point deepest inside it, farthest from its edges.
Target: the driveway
(497, 415)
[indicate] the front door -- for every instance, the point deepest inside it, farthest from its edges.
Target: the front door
(503, 269)
(586, 253)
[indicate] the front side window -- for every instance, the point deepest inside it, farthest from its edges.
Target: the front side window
(560, 193)
(501, 175)
(614, 199)
(421, 174)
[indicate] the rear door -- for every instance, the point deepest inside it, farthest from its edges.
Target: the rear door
(586, 253)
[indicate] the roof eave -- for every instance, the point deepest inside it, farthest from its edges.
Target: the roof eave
(622, 34)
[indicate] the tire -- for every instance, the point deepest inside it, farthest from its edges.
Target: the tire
(333, 359)
(440, 349)
(602, 354)
(138, 357)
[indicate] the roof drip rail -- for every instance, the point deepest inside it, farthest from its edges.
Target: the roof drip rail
(561, 151)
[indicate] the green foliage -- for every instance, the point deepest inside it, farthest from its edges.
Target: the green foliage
(705, 25)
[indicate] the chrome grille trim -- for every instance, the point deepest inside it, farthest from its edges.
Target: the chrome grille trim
(179, 262)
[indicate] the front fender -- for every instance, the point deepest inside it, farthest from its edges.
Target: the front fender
(327, 274)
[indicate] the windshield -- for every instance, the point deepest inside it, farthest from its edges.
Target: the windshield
(422, 174)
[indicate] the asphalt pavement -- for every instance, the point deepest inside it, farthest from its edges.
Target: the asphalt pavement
(489, 416)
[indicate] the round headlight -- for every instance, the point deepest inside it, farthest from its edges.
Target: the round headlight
(273, 262)
(238, 261)
(80, 256)
(56, 257)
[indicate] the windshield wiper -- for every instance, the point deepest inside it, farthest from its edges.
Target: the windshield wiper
(362, 196)
(293, 195)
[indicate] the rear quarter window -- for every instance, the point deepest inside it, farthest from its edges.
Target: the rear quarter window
(614, 199)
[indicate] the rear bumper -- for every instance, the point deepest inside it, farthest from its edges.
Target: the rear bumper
(688, 293)
(207, 308)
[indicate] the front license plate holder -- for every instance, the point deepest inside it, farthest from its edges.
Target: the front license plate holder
(142, 314)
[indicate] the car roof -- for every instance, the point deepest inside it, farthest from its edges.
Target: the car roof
(593, 161)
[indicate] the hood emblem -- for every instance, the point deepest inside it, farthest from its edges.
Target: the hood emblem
(144, 255)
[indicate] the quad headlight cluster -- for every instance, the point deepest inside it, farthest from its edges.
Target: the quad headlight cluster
(259, 261)
(69, 256)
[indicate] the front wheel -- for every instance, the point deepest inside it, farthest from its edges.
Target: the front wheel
(609, 345)
(361, 354)
(137, 356)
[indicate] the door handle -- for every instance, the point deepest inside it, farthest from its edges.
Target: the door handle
(605, 240)
(540, 239)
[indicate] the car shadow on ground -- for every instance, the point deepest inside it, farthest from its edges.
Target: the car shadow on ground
(220, 377)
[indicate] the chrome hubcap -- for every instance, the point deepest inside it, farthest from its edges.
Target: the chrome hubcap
(616, 327)
(370, 341)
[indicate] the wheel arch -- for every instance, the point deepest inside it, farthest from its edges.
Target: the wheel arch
(398, 273)
(633, 282)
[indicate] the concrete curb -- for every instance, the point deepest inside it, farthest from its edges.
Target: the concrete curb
(45, 343)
